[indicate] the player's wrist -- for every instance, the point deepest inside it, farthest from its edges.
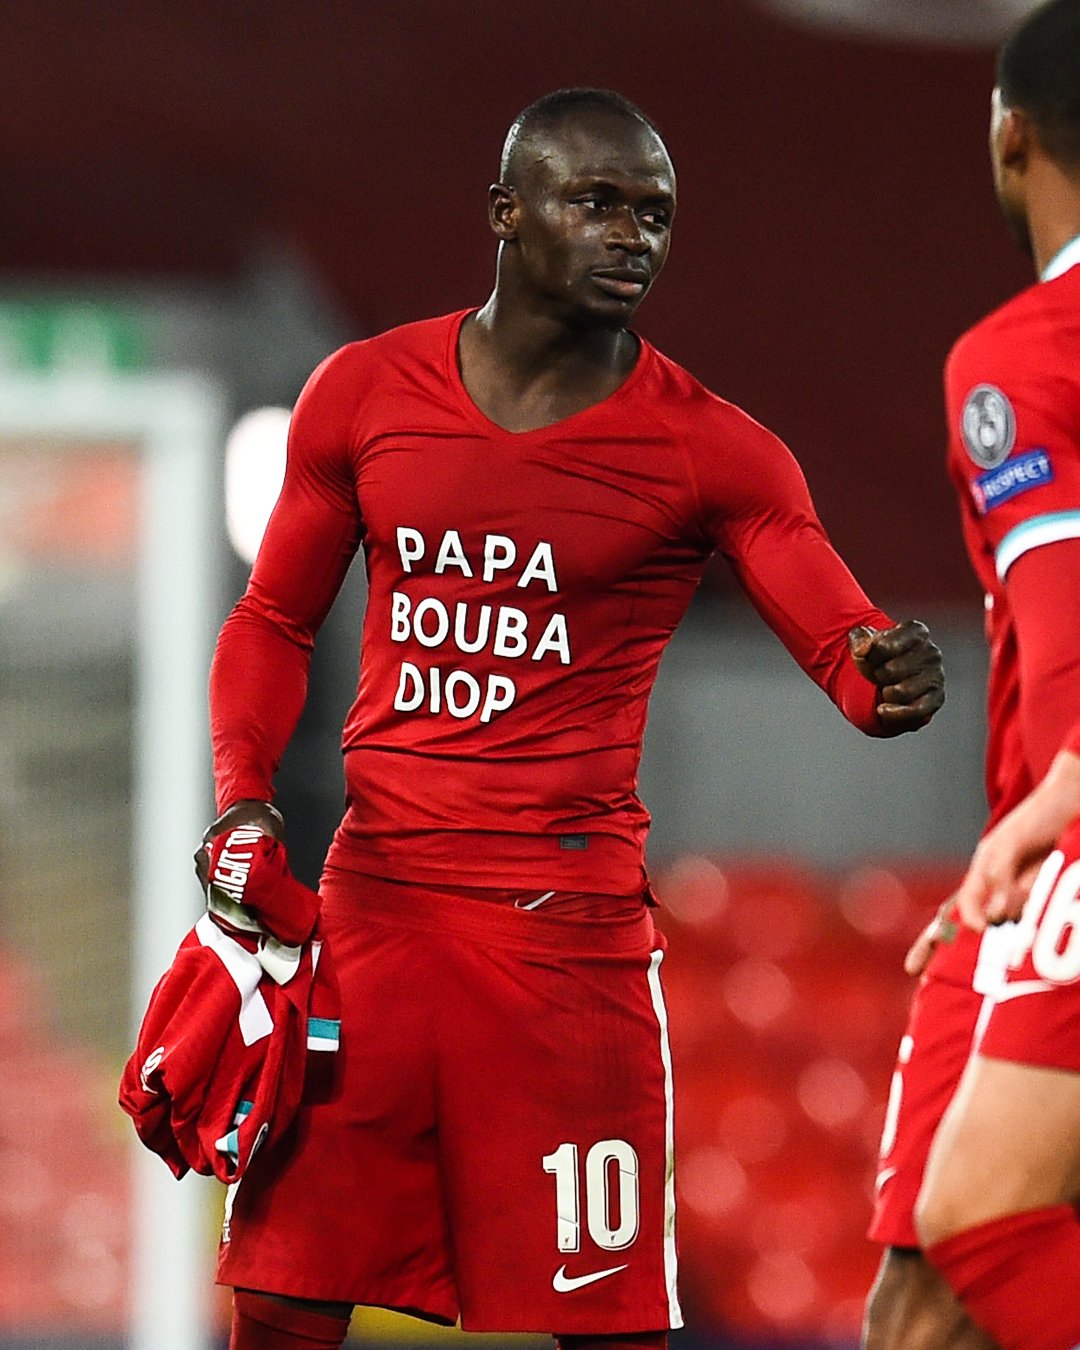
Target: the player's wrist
(1055, 802)
(254, 811)
(259, 804)
(1061, 786)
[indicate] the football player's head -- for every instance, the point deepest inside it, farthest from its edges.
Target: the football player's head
(1035, 115)
(584, 205)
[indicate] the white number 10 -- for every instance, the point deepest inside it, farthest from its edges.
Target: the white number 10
(563, 1164)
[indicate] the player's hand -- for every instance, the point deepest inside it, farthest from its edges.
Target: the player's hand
(260, 814)
(941, 928)
(905, 664)
(1009, 856)
(995, 888)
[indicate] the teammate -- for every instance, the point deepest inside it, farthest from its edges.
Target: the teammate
(1013, 396)
(536, 490)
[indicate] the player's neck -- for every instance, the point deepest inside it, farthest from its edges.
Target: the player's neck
(1053, 215)
(528, 371)
(533, 343)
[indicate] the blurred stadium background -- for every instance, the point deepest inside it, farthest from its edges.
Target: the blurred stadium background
(199, 201)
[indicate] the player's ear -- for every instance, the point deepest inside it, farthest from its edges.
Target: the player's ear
(1015, 137)
(503, 204)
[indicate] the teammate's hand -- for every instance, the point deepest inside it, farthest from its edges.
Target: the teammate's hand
(941, 928)
(1009, 856)
(905, 664)
(997, 883)
(260, 814)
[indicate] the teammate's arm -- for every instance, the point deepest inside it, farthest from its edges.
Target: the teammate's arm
(1043, 588)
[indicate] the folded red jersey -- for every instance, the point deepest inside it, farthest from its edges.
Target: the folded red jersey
(219, 1065)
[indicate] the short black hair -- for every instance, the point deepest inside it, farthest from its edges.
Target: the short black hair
(1038, 72)
(560, 105)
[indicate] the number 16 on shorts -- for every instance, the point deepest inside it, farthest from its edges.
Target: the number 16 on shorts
(608, 1182)
(1049, 930)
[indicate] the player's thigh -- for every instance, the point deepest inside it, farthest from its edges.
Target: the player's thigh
(1010, 1141)
(555, 1120)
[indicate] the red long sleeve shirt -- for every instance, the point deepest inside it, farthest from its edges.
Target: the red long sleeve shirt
(522, 588)
(1012, 388)
(1012, 392)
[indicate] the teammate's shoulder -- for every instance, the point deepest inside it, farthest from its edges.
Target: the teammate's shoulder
(1004, 333)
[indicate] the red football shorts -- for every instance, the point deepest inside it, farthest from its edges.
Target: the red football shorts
(497, 1142)
(1036, 1015)
(948, 1014)
(929, 1063)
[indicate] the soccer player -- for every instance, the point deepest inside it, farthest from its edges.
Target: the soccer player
(536, 490)
(1013, 394)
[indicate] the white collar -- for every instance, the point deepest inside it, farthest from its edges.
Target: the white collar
(1065, 258)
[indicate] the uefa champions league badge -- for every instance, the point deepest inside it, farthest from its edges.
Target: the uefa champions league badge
(988, 425)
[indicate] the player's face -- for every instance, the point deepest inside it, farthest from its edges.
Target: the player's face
(592, 220)
(1007, 183)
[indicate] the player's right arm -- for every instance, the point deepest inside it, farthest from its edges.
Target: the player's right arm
(259, 674)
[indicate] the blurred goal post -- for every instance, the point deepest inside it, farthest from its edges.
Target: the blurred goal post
(175, 424)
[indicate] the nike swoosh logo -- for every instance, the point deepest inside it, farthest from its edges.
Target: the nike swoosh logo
(563, 1283)
(535, 904)
(886, 1174)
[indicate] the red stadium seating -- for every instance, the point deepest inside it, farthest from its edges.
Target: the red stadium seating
(787, 997)
(64, 1194)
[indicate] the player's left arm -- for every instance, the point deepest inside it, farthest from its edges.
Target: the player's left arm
(1043, 591)
(886, 678)
(1014, 421)
(1013, 407)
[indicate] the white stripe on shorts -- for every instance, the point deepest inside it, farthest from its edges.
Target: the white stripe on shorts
(671, 1265)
